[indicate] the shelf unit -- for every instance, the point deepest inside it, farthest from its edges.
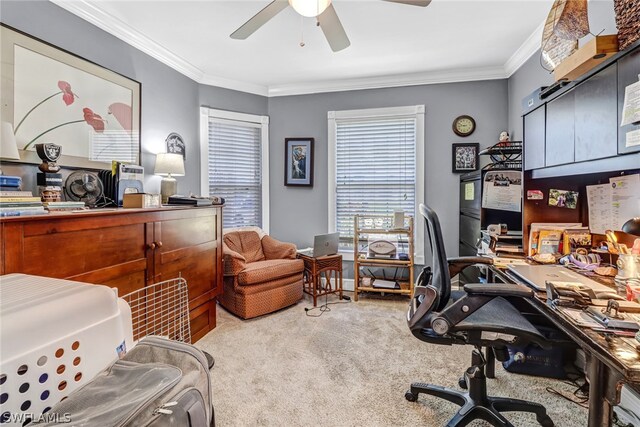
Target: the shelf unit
(504, 156)
(366, 226)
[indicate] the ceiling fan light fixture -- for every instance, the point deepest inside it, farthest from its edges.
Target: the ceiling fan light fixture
(309, 8)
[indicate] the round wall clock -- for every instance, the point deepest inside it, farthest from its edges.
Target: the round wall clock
(464, 125)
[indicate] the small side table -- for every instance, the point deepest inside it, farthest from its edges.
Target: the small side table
(329, 267)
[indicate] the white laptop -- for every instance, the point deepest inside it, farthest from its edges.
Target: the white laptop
(537, 276)
(323, 245)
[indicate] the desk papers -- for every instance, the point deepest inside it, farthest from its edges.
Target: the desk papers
(631, 108)
(613, 204)
(502, 190)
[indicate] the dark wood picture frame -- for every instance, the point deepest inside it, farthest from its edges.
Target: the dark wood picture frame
(296, 175)
(460, 157)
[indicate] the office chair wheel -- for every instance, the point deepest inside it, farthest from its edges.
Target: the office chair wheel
(546, 421)
(462, 383)
(410, 396)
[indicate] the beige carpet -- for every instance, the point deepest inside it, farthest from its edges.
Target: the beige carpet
(349, 367)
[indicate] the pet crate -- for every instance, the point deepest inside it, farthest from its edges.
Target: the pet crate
(55, 335)
(161, 309)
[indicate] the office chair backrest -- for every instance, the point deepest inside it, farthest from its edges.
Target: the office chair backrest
(440, 268)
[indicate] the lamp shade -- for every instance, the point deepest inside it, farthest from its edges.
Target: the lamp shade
(169, 164)
(8, 146)
(309, 8)
(632, 226)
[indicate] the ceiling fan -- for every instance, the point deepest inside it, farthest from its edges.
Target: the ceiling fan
(322, 10)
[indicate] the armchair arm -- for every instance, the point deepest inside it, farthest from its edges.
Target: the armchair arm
(234, 263)
(274, 249)
(498, 290)
(456, 265)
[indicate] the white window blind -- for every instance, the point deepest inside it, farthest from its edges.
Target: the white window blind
(235, 170)
(117, 145)
(375, 168)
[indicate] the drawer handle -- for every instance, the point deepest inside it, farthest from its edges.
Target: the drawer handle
(151, 246)
(159, 244)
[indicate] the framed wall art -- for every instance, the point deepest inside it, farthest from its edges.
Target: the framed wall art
(298, 162)
(175, 144)
(465, 157)
(51, 95)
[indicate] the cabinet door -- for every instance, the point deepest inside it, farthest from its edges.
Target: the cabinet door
(560, 132)
(628, 71)
(534, 139)
(187, 246)
(596, 116)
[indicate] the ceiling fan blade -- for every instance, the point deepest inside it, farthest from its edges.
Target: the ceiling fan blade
(421, 3)
(333, 29)
(260, 18)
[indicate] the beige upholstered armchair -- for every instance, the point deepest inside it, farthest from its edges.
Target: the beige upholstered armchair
(261, 274)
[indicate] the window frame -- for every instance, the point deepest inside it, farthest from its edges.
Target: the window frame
(417, 111)
(207, 113)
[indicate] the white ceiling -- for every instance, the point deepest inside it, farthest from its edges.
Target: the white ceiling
(391, 44)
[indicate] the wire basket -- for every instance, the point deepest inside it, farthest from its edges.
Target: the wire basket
(627, 21)
(161, 309)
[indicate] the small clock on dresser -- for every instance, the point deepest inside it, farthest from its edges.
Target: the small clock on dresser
(464, 125)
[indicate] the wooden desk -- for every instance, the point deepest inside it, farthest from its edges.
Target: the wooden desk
(329, 267)
(611, 362)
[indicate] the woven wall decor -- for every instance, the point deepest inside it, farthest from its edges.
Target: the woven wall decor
(567, 22)
(627, 21)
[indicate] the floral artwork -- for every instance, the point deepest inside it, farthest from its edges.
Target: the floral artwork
(91, 112)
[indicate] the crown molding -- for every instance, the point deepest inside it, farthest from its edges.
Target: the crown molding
(414, 79)
(529, 47)
(90, 12)
(93, 14)
(241, 86)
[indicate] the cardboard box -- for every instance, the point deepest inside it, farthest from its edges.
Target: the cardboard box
(141, 200)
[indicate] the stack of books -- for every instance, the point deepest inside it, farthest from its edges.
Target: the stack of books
(63, 206)
(19, 203)
(10, 183)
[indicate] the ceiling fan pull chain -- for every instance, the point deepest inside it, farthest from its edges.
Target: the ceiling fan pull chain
(302, 44)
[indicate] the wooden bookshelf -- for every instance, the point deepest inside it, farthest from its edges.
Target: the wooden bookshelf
(366, 226)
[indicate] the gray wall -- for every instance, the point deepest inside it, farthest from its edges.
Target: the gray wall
(170, 101)
(297, 214)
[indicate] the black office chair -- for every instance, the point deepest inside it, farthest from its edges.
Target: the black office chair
(480, 316)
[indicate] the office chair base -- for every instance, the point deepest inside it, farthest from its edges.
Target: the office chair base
(488, 410)
(476, 404)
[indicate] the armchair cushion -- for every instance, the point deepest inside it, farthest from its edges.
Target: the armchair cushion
(264, 271)
(234, 263)
(274, 249)
(246, 243)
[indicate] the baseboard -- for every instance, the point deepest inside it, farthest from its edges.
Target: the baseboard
(347, 285)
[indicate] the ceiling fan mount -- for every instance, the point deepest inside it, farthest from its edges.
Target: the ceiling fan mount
(322, 10)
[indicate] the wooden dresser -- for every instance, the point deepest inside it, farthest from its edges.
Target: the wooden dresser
(124, 248)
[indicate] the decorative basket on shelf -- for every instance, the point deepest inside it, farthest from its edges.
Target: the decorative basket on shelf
(627, 21)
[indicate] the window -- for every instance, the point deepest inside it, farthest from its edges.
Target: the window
(376, 160)
(235, 165)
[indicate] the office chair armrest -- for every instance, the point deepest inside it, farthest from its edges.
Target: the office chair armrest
(498, 290)
(456, 265)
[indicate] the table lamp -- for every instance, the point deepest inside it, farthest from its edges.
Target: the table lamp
(8, 146)
(169, 165)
